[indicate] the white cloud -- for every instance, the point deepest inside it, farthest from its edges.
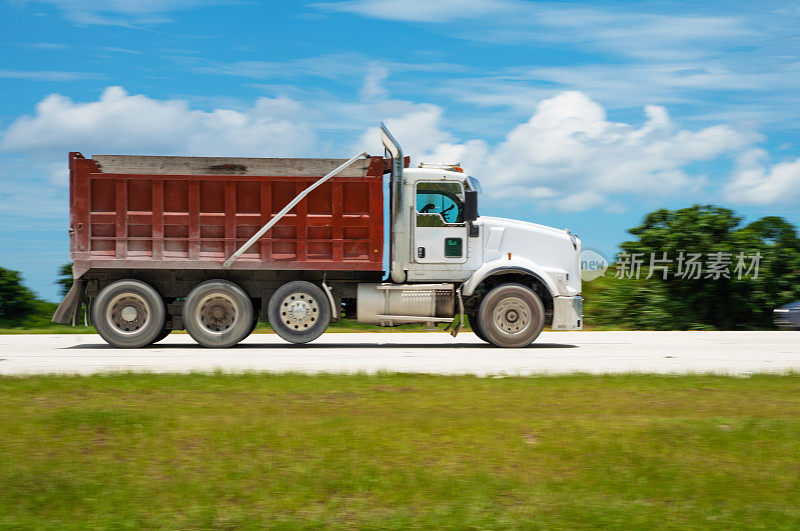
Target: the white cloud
(618, 85)
(418, 131)
(736, 64)
(42, 45)
(635, 34)
(419, 10)
(373, 88)
(47, 75)
(337, 66)
(754, 181)
(580, 201)
(123, 123)
(121, 12)
(568, 155)
(569, 147)
(642, 35)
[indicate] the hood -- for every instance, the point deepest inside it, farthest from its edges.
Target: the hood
(554, 251)
(527, 226)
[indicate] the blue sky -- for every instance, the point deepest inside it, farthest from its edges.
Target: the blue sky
(579, 115)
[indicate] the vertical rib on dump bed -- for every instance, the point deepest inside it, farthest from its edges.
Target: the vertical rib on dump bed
(194, 212)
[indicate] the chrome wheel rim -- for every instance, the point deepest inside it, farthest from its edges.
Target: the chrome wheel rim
(128, 313)
(217, 313)
(512, 315)
(299, 311)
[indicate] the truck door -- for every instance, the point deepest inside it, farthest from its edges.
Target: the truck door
(440, 233)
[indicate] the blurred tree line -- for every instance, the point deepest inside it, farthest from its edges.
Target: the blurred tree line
(19, 306)
(17, 302)
(677, 303)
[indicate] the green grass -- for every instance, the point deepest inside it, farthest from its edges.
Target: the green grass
(290, 451)
(52, 328)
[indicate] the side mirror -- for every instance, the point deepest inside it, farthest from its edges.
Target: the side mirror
(470, 205)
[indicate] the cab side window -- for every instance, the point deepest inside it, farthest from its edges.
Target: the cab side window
(440, 204)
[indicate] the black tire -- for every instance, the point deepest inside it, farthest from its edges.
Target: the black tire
(299, 311)
(255, 318)
(218, 314)
(475, 324)
(511, 316)
(164, 333)
(129, 314)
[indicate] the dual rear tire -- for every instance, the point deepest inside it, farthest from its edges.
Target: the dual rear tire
(218, 314)
(129, 314)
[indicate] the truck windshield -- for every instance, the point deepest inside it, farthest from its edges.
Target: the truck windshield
(439, 203)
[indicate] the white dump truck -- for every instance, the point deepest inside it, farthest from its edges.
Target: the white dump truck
(206, 244)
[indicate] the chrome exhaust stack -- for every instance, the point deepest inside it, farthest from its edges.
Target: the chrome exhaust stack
(399, 249)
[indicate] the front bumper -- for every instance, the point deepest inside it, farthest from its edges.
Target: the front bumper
(567, 313)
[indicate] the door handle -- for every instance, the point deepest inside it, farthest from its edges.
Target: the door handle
(420, 252)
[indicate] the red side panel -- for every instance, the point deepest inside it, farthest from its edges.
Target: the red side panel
(197, 221)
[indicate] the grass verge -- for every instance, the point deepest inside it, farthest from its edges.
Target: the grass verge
(399, 451)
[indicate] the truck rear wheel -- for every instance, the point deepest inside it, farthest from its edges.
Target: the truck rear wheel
(299, 311)
(511, 315)
(254, 324)
(129, 314)
(218, 314)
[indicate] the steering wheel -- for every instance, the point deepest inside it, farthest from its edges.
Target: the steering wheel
(445, 211)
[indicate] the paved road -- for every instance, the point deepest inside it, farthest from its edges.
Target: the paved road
(554, 352)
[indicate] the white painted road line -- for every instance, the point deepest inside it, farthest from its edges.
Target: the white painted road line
(438, 353)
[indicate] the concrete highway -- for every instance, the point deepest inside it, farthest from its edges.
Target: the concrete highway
(554, 352)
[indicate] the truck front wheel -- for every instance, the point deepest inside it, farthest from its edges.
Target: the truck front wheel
(129, 314)
(218, 314)
(511, 315)
(475, 325)
(299, 311)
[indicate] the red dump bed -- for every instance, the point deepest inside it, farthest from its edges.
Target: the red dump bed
(194, 212)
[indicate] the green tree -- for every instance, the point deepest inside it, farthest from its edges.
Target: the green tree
(688, 303)
(65, 278)
(17, 303)
(778, 281)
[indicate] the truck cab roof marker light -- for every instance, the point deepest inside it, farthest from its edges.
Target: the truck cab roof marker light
(440, 166)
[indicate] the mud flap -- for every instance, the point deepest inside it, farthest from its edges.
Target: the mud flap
(67, 311)
(454, 328)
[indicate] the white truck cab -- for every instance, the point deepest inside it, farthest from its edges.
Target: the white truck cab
(511, 277)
